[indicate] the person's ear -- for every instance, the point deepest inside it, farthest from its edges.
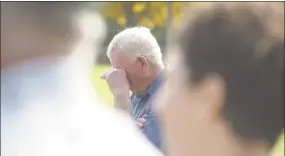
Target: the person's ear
(145, 64)
(212, 92)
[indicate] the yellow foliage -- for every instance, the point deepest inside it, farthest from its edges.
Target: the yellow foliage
(178, 9)
(139, 7)
(163, 12)
(157, 4)
(114, 9)
(158, 21)
(146, 22)
(151, 14)
(121, 20)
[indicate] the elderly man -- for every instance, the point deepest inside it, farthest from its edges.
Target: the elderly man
(224, 93)
(137, 67)
(48, 107)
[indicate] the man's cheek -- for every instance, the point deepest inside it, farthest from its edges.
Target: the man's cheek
(128, 67)
(130, 79)
(130, 72)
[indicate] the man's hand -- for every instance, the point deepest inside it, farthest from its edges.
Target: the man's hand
(140, 122)
(117, 81)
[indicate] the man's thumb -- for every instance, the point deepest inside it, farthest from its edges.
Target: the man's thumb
(144, 116)
(102, 76)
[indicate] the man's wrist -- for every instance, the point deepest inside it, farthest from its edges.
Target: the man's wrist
(122, 101)
(121, 95)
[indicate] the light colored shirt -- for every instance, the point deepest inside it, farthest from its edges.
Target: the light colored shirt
(49, 108)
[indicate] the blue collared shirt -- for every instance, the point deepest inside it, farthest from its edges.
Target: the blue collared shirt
(143, 104)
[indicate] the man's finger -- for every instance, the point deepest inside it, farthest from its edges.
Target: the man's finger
(144, 116)
(103, 76)
(141, 120)
(140, 125)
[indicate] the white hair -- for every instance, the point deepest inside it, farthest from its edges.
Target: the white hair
(137, 41)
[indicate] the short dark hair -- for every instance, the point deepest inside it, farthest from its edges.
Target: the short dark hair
(55, 16)
(244, 44)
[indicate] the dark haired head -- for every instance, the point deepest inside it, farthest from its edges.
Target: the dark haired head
(33, 29)
(231, 63)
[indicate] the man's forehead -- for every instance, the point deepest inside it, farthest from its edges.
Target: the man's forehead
(115, 52)
(119, 58)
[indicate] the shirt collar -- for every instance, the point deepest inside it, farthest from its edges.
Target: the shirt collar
(155, 85)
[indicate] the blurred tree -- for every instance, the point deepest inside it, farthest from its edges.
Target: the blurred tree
(149, 14)
(98, 6)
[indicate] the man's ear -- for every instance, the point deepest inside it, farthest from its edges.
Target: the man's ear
(145, 64)
(212, 91)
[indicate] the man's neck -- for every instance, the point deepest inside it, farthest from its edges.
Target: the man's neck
(227, 143)
(236, 146)
(237, 149)
(220, 141)
(148, 81)
(216, 149)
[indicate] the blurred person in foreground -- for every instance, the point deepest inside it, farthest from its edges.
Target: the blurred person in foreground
(224, 92)
(48, 105)
(137, 67)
